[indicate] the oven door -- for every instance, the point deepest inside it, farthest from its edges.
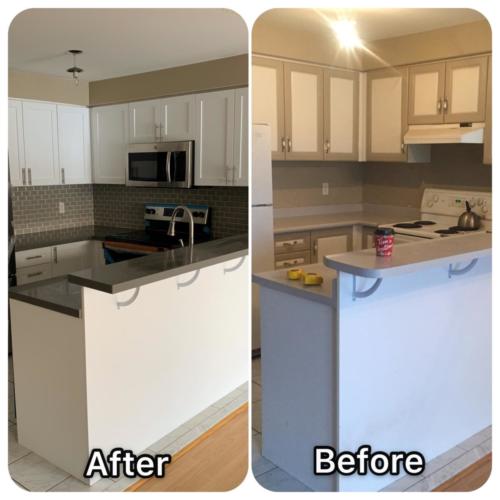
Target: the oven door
(168, 164)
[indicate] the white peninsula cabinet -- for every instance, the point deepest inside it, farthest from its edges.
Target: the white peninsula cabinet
(387, 92)
(109, 126)
(448, 92)
(221, 138)
(160, 120)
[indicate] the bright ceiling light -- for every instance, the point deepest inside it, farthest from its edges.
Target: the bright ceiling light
(346, 33)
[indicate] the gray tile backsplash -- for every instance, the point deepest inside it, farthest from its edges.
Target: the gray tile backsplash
(36, 208)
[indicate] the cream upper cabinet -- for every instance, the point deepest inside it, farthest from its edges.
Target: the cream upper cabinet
(341, 119)
(426, 93)
(268, 101)
(74, 144)
(303, 112)
(176, 118)
(240, 168)
(40, 143)
(214, 141)
(487, 128)
(387, 98)
(16, 144)
(465, 94)
(109, 130)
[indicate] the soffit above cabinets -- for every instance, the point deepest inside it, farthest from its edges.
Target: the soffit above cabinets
(119, 42)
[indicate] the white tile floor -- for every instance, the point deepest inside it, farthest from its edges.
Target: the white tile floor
(31, 472)
(437, 471)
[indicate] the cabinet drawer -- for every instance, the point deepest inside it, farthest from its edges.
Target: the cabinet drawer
(33, 273)
(292, 260)
(291, 242)
(27, 258)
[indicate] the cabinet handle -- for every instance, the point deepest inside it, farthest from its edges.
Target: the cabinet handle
(32, 275)
(327, 147)
(315, 248)
(403, 148)
(439, 105)
(29, 176)
(55, 255)
(23, 172)
(283, 144)
(161, 138)
(63, 177)
(445, 105)
(289, 145)
(156, 133)
(31, 257)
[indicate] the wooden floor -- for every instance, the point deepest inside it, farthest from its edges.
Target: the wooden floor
(471, 478)
(216, 461)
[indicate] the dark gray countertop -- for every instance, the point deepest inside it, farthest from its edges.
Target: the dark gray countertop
(63, 294)
(61, 236)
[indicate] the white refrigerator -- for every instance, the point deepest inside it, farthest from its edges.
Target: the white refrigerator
(262, 217)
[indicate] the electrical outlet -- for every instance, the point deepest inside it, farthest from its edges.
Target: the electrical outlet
(325, 188)
(61, 207)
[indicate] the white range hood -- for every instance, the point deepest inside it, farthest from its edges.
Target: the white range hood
(450, 133)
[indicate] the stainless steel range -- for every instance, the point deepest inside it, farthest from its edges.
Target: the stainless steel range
(155, 238)
(439, 213)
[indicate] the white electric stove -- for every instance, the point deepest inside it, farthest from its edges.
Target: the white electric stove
(439, 212)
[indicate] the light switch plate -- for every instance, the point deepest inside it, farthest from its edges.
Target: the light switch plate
(325, 188)
(61, 207)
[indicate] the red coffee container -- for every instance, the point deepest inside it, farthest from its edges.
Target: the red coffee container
(384, 241)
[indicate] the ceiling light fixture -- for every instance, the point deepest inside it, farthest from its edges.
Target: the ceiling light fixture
(75, 70)
(346, 33)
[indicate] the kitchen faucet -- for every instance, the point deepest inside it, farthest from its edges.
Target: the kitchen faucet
(171, 227)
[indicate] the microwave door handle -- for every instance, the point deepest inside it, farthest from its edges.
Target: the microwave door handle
(169, 177)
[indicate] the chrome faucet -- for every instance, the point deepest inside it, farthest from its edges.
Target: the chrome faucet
(171, 227)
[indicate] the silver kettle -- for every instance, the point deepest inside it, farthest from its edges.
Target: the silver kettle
(469, 220)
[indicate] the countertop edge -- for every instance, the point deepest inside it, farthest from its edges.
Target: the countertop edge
(146, 280)
(69, 311)
(324, 225)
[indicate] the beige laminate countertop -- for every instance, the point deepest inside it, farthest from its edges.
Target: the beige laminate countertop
(411, 257)
(324, 221)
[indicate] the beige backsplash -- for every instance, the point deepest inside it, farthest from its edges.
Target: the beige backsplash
(458, 166)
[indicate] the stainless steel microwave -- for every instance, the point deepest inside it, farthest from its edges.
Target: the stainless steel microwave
(163, 164)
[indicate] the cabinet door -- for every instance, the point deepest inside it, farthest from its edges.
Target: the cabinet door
(72, 257)
(341, 91)
(303, 112)
(214, 142)
(177, 118)
(240, 171)
(74, 144)
(268, 101)
(387, 92)
(40, 143)
(16, 144)
(330, 241)
(426, 93)
(466, 90)
(487, 128)
(145, 121)
(109, 126)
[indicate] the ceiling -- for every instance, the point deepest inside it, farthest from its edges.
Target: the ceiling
(372, 24)
(118, 42)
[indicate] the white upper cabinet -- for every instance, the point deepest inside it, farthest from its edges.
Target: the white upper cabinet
(268, 101)
(109, 126)
(16, 144)
(426, 93)
(214, 142)
(74, 144)
(40, 143)
(386, 114)
(144, 121)
(240, 170)
(341, 101)
(465, 94)
(303, 112)
(176, 118)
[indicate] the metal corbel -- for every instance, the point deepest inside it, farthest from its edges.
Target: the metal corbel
(457, 272)
(125, 303)
(365, 293)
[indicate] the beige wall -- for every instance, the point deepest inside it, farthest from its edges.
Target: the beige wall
(223, 73)
(454, 41)
(457, 166)
(26, 85)
(298, 184)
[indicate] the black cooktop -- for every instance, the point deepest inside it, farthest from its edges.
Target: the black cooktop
(156, 238)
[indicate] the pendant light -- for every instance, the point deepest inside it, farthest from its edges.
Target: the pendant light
(75, 70)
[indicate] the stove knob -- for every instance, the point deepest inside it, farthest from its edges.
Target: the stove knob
(480, 201)
(430, 203)
(435, 198)
(472, 202)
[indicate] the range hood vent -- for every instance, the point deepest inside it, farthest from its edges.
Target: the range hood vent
(453, 133)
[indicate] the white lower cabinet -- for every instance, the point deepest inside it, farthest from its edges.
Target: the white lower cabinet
(330, 241)
(109, 129)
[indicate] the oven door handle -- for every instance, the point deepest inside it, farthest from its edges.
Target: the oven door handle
(167, 166)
